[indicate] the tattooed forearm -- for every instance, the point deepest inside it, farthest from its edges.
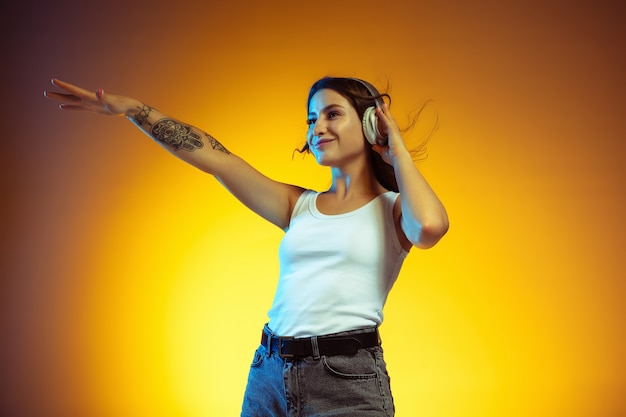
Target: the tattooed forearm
(141, 118)
(172, 133)
(176, 135)
(215, 144)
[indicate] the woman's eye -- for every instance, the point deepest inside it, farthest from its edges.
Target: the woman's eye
(333, 114)
(310, 121)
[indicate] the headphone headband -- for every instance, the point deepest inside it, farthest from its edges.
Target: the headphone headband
(372, 90)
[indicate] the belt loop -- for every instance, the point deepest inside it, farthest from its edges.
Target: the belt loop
(268, 342)
(316, 348)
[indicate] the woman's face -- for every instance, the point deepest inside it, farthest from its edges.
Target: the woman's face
(335, 132)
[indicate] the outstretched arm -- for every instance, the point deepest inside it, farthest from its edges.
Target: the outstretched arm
(270, 199)
(423, 218)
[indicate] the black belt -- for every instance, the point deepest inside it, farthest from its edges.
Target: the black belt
(294, 348)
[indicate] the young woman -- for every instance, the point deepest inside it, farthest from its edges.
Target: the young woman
(320, 352)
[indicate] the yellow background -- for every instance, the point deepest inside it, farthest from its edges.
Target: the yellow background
(134, 285)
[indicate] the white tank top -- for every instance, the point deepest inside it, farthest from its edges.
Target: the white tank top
(335, 270)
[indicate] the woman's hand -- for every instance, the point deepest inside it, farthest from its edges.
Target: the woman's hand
(76, 98)
(388, 125)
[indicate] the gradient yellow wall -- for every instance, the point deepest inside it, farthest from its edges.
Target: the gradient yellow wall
(134, 285)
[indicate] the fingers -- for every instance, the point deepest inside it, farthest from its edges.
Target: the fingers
(384, 114)
(71, 107)
(383, 111)
(380, 113)
(75, 98)
(69, 98)
(75, 93)
(70, 88)
(65, 99)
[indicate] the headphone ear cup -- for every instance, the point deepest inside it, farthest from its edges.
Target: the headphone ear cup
(370, 125)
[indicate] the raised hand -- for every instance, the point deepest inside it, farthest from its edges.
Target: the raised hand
(76, 98)
(389, 127)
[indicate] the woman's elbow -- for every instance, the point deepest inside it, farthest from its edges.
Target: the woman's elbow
(431, 233)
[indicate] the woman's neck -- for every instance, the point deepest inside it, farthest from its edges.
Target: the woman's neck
(358, 183)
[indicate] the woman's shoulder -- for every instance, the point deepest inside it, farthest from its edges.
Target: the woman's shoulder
(307, 195)
(389, 197)
(303, 202)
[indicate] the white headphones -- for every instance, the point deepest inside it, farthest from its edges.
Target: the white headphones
(370, 120)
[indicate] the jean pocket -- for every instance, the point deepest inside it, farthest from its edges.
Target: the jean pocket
(257, 360)
(361, 365)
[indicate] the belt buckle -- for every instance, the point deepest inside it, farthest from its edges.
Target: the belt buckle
(280, 348)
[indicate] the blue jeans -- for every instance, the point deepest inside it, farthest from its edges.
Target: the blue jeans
(340, 385)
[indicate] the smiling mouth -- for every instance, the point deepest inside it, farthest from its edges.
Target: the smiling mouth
(322, 142)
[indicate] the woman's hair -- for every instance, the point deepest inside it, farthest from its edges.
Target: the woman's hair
(360, 97)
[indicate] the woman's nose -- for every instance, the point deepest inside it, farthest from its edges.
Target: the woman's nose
(319, 128)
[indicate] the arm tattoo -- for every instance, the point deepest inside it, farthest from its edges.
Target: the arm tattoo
(215, 144)
(141, 118)
(176, 135)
